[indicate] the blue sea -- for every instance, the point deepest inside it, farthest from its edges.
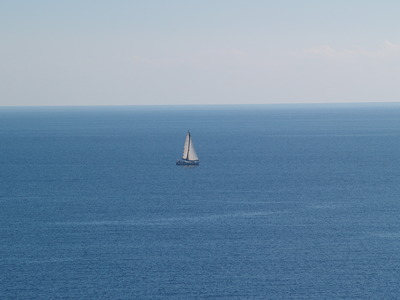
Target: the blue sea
(289, 202)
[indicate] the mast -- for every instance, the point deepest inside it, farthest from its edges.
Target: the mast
(187, 155)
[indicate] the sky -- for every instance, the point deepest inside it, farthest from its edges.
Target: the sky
(183, 52)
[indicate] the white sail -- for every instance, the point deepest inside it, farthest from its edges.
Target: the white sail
(189, 153)
(186, 146)
(192, 153)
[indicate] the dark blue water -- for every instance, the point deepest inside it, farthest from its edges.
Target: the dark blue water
(297, 202)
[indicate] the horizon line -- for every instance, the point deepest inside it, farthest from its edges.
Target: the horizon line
(203, 104)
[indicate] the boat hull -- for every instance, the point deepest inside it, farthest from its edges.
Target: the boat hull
(184, 162)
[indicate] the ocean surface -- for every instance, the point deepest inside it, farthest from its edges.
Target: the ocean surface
(289, 202)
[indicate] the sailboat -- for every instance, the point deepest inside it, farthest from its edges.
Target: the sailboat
(189, 156)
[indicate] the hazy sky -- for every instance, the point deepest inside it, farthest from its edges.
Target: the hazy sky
(198, 52)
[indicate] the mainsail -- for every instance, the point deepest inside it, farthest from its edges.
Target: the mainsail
(189, 153)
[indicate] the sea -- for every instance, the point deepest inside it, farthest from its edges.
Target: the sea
(288, 202)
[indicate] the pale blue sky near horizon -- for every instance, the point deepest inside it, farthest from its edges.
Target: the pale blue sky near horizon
(198, 52)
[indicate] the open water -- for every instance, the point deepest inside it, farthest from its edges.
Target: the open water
(289, 202)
